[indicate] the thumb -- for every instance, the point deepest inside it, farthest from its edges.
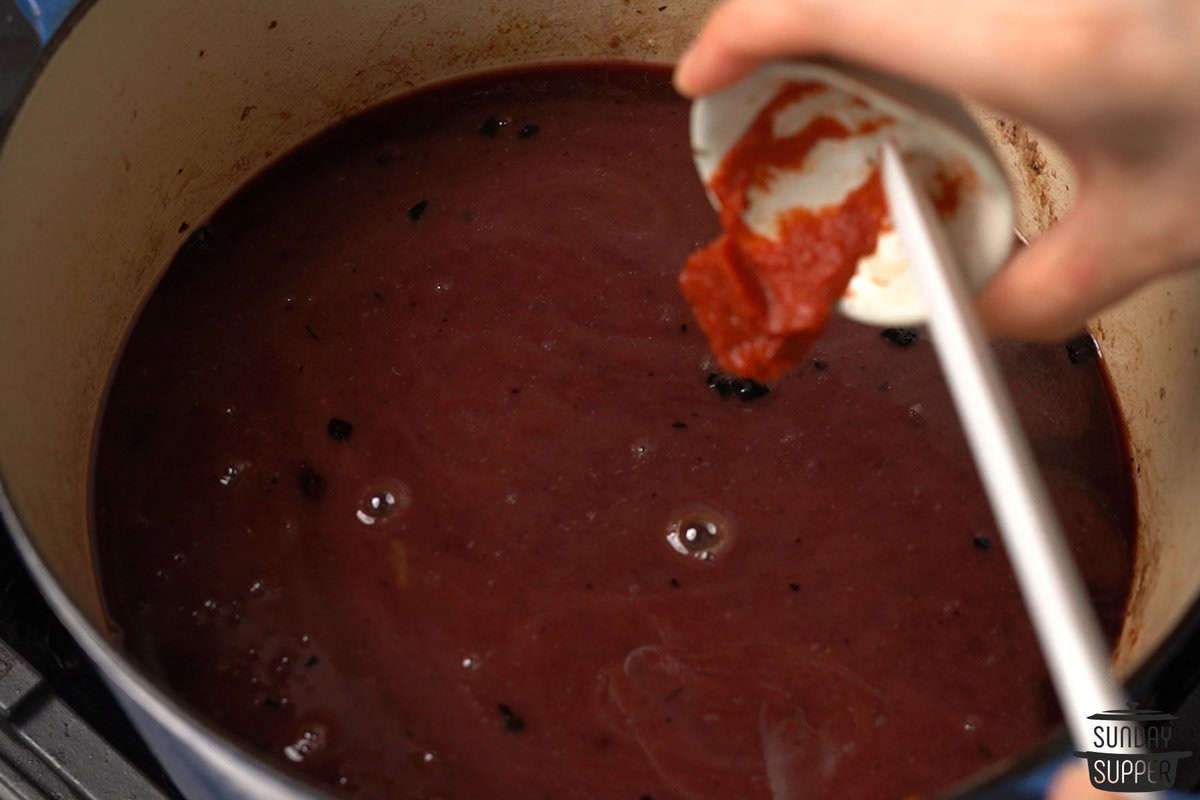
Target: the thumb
(1050, 289)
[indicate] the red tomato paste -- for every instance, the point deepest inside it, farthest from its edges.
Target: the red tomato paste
(763, 301)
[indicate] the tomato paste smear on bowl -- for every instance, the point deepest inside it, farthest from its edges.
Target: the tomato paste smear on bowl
(763, 300)
(418, 478)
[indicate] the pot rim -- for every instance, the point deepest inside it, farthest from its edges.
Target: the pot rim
(124, 678)
(1172, 668)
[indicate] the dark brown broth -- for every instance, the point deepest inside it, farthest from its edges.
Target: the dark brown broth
(495, 317)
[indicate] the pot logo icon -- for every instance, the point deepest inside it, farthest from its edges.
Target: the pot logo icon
(1131, 751)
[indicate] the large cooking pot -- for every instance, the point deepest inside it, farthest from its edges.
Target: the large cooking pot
(144, 116)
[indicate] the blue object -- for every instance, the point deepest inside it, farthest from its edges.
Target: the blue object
(45, 15)
(1033, 785)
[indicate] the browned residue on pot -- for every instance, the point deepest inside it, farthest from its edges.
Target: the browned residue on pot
(1035, 174)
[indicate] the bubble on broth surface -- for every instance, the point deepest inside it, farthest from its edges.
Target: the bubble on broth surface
(230, 473)
(699, 532)
(383, 501)
(311, 741)
(642, 449)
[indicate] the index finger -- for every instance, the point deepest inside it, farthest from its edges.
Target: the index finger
(993, 50)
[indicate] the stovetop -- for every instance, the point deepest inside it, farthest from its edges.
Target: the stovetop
(59, 724)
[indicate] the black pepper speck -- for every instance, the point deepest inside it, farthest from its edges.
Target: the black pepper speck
(731, 386)
(528, 131)
(339, 429)
(748, 390)
(901, 337)
(1082, 349)
(512, 721)
(312, 483)
(981, 542)
(719, 384)
(418, 210)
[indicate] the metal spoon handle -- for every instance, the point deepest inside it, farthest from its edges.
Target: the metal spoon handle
(1066, 627)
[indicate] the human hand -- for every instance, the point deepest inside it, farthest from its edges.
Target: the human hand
(1072, 783)
(1115, 82)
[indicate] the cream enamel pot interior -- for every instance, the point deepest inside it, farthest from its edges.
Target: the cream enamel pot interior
(146, 115)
